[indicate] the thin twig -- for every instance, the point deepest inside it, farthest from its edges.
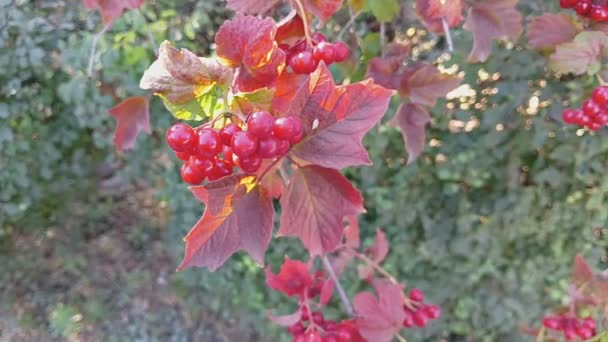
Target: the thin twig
(348, 24)
(400, 338)
(382, 39)
(343, 297)
(448, 34)
(377, 267)
(151, 39)
(95, 42)
(305, 22)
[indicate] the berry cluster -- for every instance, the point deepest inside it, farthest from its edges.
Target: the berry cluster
(572, 327)
(417, 313)
(209, 153)
(321, 330)
(594, 112)
(587, 8)
(303, 59)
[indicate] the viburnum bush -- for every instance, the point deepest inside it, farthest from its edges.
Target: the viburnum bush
(275, 130)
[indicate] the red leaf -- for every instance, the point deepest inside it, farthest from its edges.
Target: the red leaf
(181, 76)
(424, 84)
(285, 320)
(412, 120)
(111, 9)
(351, 232)
(290, 27)
(293, 279)
(314, 206)
(248, 43)
(335, 118)
(489, 20)
(377, 252)
(380, 318)
(327, 291)
(238, 216)
(431, 12)
(550, 29)
(323, 9)
(385, 71)
(132, 116)
(581, 272)
(251, 6)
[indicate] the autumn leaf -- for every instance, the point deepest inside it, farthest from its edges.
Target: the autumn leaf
(111, 9)
(432, 11)
(293, 279)
(260, 99)
(322, 9)
(385, 71)
(489, 20)
(132, 117)
(248, 44)
(412, 119)
(238, 216)
(315, 204)
(551, 29)
(251, 6)
(423, 84)
(377, 252)
(290, 28)
(285, 320)
(380, 317)
(584, 53)
(181, 76)
(582, 274)
(327, 291)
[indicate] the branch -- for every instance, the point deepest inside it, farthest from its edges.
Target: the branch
(332, 274)
(382, 39)
(448, 35)
(95, 42)
(304, 22)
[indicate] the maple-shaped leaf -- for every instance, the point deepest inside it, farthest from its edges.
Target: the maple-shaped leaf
(181, 76)
(315, 204)
(376, 252)
(423, 83)
(582, 274)
(111, 9)
(322, 9)
(551, 29)
(385, 71)
(238, 216)
(489, 20)
(412, 119)
(251, 6)
(381, 317)
(132, 117)
(581, 55)
(293, 279)
(285, 320)
(432, 11)
(248, 43)
(335, 119)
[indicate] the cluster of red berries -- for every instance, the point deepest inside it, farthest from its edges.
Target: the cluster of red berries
(572, 327)
(321, 330)
(209, 153)
(587, 8)
(417, 313)
(594, 112)
(303, 59)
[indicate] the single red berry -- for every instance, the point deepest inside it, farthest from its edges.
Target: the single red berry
(250, 164)
(598, 13)
(303, 63)
(344, 334)
(209, 142)
(341, 51)
(552, 322)
(203, 165)
(227, 152)
(600, 95)
(269, 147)
(284, 128)
(313, 336)
(420, 319)
(324, 52)
(300, 46)
(283, 147)
(296, 329)
(595, 126)
(589, 322)
(227, 132)
(260, 124)
(183, 155)
(408, 320)
(569, 116)
(318, 318)
(244, 144)
(190, 175)
(330, 325)
(331, 338)
(305, 314)
(298, 131)
(181, 138)
(591, 108)
(584, 332)
(417, 295)
(570, 334)
(567, 3)
(583, 7)
(224, 167)
(299, 338)
(432, 311)
(318, 37)
(579, 117)
(585, 120)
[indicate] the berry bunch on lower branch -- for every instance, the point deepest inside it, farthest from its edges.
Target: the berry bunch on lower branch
(594, 112)
(594, 10)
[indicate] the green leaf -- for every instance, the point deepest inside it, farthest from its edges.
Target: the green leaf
(383, 10)
(204, 106)
(258, 99)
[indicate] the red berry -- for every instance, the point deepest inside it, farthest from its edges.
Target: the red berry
(598, 13)
(595, 126)
(227, 152)
(552, 322)
(284, 47)
(296, 329)
(209, 142)
(244, 144)
(299, 131)
(330, 325)
(582, 7)
(183, 155)
(324, 52)
(567, 3)
(260, 124)
(591, 108)
(283, 147)
(432, 311)
(313, 336)
(224, 167)
(305, 315)
(600, 95)
(344, 334)
(190, 175)
(417, 295)
(181, 138)
(251, 164)
(203, 165)
(299, 338)
(584, 120)
(303, 63)
(284, 128)
(589, 323)
(570, 334)
(318, 318)
(408, 320)
(341, 51)
(420, 319)
(318, 37)
(331, 338)
(579, 117)
(569, 116)
(227, 132)
(269, 147)
(584, 332)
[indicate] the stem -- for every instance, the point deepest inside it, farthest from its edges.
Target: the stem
(448, 35)
(377, 267)
(284, 176)
(343, 297)
(382, 39)
(95, 42)
(304, 21)
(349, 24)
(400, 338)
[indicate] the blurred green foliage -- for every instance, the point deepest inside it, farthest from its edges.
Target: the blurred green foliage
(487, 221)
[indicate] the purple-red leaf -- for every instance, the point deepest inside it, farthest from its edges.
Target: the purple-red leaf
(238, 216)
(293, 279)
(323, 9)
(132, 117)
(432, 11)
(377, 252)
(412, 119)
(381, 317)
(314, 206)
(285, 320)
(251, 6)
(327, 291)
(551, 29)
(489, 20)
(424, 84)
(111, 9)
(248, 43)
(582, 274)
